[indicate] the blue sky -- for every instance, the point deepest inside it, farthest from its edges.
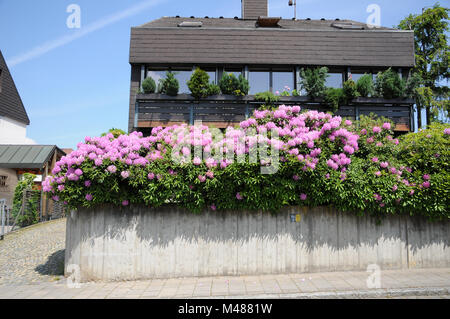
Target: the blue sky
(75, 82)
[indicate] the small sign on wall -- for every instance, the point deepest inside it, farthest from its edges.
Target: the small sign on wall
(296, 218)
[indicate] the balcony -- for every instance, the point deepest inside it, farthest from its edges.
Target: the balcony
(222, 111)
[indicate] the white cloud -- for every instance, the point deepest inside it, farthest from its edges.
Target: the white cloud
(100, 24)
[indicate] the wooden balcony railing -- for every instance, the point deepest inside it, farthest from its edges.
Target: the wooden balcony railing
(224, 110)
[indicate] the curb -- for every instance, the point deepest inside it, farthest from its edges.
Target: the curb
(352, 294)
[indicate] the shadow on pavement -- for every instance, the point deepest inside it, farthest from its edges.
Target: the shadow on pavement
(54, 265)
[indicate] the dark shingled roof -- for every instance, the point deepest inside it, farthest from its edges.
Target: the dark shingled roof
(231, 23)
(300, 42)
(11, 105)
(26, 156)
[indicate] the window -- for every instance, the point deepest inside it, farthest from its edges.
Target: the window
(358, 73)
(259, 81)
(282, 81)
(235, 71)
(3, 181)
(182, 75)
(156, 74)
(357, 76)
(212, 74)
(334, 80)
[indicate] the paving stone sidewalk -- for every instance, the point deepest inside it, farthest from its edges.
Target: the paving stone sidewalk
(423, 283)
(33, 254)
(32, 259)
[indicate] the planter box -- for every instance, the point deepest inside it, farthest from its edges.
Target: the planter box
(224, 110)
(109, 243)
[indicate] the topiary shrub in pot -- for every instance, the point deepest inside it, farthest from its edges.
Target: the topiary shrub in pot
(228, 83)
(232, 85)
(169, 85)
(213, 89)
(364, 85)
(350, 90)
(334, 97)
(313, 81)
(149, 85)
(199, 84)
(268, 98)
(243, 86)
(389, 85)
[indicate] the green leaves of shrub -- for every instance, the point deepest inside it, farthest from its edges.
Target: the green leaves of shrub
(243, 86)
(334, 97)
(267, 97)
(228, 83)
(389, 85)
(169, 85)
(199, 84)
(365, 86)
(313, 81)
(412, 84)
(213, 89)
(149, 85)
(231, 85)
(30, 215)
(116, 132)
(350, 91)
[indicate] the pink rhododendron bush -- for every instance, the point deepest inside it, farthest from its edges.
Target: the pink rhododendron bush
(275, 158)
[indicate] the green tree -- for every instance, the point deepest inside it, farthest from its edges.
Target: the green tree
(149, 85)
(313, 81)
(169, 85)
(30, 214)
(199, 84)
(432, 57)
(230, 84)
(115, 131)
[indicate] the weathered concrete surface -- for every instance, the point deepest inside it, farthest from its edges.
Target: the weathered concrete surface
(109, 243)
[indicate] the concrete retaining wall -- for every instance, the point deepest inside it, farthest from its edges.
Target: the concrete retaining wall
(109, 243)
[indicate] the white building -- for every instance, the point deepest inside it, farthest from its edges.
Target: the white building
(13, 116)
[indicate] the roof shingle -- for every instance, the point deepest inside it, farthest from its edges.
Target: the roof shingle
(300, 42)
(11, 105)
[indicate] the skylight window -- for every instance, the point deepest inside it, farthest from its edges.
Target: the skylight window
(191, 24)
(347, 26)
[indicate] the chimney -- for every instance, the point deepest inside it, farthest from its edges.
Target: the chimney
(252, 9)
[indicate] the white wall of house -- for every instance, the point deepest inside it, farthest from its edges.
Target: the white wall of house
(13, 132)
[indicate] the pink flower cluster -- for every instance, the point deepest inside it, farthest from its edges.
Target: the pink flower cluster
(295, 135)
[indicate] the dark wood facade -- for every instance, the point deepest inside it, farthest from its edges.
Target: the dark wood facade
(222, 111)
(345, 47)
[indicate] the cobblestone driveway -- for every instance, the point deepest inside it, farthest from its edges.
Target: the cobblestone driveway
(33, 254)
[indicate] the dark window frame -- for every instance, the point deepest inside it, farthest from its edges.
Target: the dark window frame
(3, 181)
(271, 70)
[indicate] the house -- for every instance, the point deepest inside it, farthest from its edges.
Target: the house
(19, 154)
(13, 116)
(16, 160)
(270, 53)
